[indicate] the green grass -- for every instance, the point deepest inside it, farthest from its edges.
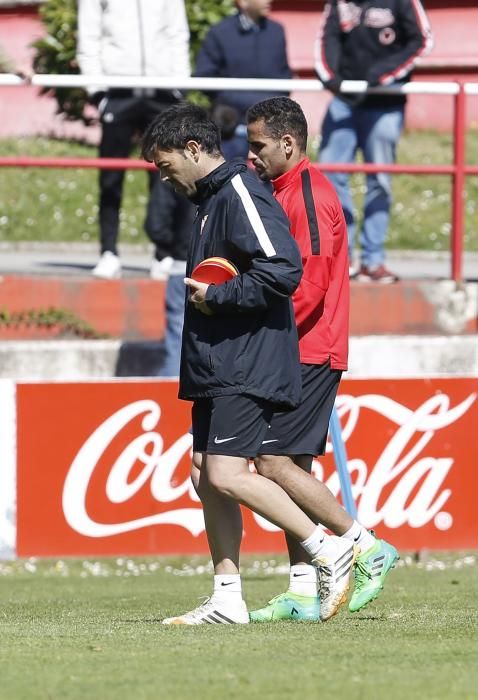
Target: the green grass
(61, 205)
(42, 204)
(81, 630)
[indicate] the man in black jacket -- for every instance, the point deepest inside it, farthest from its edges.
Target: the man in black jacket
(239, 359)
(378, 42)
(246, 45)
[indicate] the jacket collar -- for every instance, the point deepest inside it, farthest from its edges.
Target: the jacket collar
(212, 183)
(287, 178)
(246, 24)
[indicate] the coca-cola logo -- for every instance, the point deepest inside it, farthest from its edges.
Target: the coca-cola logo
(412, 479)
(401, 461)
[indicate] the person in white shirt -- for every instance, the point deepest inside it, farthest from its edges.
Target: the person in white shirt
(135, 38)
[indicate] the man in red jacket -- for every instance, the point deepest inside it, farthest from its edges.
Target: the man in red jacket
(277, 133)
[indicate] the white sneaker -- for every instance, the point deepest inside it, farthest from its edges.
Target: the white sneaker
(212, 613)
(108, 266)
(333, 576)
(161, 269)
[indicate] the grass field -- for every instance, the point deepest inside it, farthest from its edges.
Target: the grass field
(83, 629)
(61, 205)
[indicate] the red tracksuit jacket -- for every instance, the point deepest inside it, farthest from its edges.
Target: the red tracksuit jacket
(321, 302)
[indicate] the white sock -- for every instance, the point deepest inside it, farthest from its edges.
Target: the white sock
(360, 536)
(227, 588)
(303, 580)
(319, 543)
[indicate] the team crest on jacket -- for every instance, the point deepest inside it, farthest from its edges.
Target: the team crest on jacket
(387, 36)
(349, 15)
(378, 17)
(203, 222)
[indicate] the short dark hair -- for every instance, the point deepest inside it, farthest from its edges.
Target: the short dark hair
(226, 118)
(281, 116)
(177, 125)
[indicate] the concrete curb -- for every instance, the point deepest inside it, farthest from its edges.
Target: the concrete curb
(141, 248)
(370, 356)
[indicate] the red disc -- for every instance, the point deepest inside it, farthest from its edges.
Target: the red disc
(214, 271)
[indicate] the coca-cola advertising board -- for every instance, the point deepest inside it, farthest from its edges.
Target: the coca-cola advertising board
(103, 467)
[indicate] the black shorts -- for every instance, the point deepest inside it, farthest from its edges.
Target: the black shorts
(303, 431)
(231, 425)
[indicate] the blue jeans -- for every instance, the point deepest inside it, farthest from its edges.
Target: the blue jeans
(376, 133)
(175, 300)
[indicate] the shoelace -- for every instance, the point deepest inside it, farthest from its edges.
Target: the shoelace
(198, 612)
(362, 574)
(324, 582)
(276, 597)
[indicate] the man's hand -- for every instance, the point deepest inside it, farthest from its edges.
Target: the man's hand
(198, 295)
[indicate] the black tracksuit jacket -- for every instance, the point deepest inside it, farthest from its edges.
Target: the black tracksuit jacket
(374, 40)
(231, 51)
(249, 346)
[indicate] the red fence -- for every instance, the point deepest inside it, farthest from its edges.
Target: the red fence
(458, 170)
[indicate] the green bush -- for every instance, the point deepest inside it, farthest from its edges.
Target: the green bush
(202, 14)
(64, 321)
(56, 51)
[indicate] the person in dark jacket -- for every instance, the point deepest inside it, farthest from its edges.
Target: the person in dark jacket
(240, 358)
(378, 43)
(246, 45)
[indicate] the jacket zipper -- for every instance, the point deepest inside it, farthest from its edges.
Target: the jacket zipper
(141, 38)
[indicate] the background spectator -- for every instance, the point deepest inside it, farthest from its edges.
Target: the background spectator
(380, 45)
(175, 300)
(144, 39)
(245, 45)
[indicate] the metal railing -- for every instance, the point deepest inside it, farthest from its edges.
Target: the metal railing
(458, 170)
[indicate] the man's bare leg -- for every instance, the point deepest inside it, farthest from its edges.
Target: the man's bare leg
(333, 556)
(231, 477)
(223, 520)
(222, 516)
(293, 473)
(313, 496)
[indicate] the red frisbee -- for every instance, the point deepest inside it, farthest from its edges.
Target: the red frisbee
(214, 271)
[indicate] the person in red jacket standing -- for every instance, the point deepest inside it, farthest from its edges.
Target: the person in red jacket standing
(277, 133)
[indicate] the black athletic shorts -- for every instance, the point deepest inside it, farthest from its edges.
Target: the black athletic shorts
(230, 425)
(303, 431)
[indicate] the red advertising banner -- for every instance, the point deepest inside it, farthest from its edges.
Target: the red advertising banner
(103, 468)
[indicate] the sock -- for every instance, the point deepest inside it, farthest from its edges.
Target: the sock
(319, 544)
(227, 588)
(360, 536)
(303, 580)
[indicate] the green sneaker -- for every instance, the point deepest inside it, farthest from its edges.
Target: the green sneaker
(288, 606)
(370, 570)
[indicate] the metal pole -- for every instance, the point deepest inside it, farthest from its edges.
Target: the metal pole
(458, 185)
(340, 457)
